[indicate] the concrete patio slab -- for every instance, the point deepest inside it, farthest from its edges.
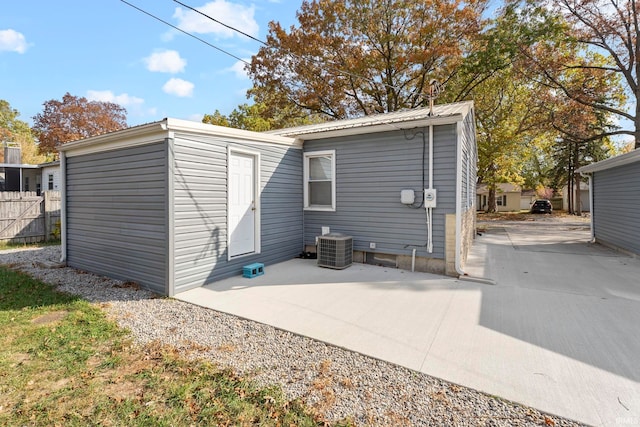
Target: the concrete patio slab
(559, 330)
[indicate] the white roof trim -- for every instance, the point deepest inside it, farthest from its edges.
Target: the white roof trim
(129, 137)
(404, 119)
(613, 162)
(178, 125)
(18, 166)
(158, 131)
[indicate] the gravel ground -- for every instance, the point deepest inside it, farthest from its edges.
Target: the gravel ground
(336, 382)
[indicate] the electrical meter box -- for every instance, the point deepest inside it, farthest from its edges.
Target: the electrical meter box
(429, 198)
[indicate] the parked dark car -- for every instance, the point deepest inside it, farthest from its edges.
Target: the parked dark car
(541, 206)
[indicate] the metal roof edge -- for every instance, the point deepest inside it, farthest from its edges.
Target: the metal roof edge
(403, 119)
(612, 162)
(47, 164)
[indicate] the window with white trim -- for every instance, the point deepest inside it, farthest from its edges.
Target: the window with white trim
(320, 180)
(502, 200)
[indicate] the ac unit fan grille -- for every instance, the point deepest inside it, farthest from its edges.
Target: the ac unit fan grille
(335, 251)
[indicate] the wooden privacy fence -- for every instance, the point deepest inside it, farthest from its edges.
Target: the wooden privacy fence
(26, 217)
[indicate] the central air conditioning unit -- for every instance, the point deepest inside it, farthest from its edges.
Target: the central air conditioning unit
(335, 250)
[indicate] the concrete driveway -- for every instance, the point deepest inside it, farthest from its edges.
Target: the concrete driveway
(559, 331)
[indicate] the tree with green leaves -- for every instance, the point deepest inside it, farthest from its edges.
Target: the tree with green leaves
(75, 118)
(575, 146)
(508, 128)
(217, 118)
(513, 132)
(523, 120)
(14, 131)
(10, 125)
(605, 28)
(260, 117)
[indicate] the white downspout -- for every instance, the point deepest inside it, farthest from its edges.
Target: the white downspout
(430, 157)
(63, 208)
(429, 209)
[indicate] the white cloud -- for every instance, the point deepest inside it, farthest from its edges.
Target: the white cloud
(238, 69)
(232, 14)
(168, 61)
(124, 99)
(178, 87)
(12, 41)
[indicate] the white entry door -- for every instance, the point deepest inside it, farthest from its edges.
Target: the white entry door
(242, 204)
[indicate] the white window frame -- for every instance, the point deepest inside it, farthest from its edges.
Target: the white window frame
(313, 154)
(501, 200)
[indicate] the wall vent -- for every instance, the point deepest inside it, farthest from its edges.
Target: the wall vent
(335, 250)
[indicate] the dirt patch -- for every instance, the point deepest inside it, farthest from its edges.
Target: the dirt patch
(53, 317)
(19, 359)
(128, 284)
(505, 216)
(557, 216)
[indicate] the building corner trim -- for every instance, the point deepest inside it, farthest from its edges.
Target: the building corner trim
(63, 208)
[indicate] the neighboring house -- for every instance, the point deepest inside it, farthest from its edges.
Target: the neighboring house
(508, 197)
(615, 201)
(16, 176)
(174, 205)
(50, 173)
(584, 197)
(19, 177)
(527, 197)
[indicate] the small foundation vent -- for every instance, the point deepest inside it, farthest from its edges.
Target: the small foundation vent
(335, 250)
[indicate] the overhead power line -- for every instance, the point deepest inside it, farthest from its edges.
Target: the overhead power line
(221, 23)
(321, 64)
(185, 32)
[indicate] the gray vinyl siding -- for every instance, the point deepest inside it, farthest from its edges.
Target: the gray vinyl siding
(371, 170)
(616, 203)
(200, 208)
(116, 224)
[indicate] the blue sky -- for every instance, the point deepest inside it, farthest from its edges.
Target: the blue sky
(108, 51)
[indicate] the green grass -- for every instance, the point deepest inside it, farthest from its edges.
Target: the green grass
(62, 362)
(8, 244)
